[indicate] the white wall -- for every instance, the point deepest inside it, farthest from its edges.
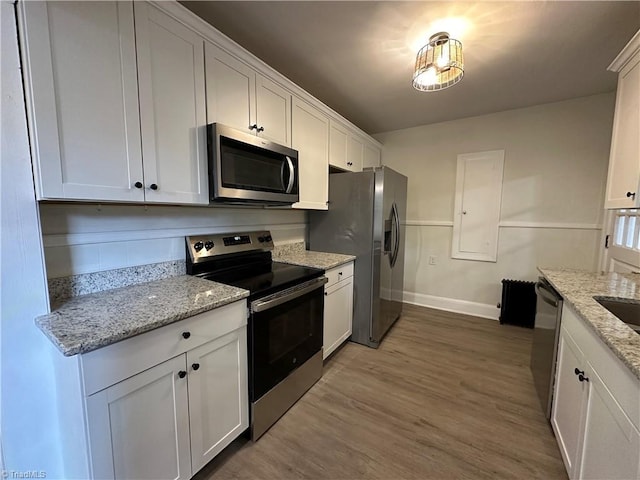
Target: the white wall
(32, 407)
(556, 158)
(90, 238)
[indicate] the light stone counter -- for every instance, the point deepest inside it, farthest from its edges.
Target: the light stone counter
(88, 322)
(296, 254)
(578, 289)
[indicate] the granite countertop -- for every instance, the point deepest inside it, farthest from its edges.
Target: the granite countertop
(308, 258)
(578, 289)
(88, 322)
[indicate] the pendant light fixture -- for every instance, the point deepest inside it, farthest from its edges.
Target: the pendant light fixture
(439, 64)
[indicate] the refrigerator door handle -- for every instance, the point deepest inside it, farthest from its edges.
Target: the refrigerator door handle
(396, 246)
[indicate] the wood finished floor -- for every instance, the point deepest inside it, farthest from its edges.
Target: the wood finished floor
(445, 396)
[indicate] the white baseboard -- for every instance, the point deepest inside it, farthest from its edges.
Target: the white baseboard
(452, 305)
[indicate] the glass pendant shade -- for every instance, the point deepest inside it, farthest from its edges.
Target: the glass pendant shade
(439, 64)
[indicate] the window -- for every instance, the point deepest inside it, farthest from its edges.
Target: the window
(624, 244)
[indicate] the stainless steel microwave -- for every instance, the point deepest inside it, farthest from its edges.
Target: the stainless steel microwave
(246, 169)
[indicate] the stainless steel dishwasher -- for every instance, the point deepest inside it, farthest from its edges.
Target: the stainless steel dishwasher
(545, 342)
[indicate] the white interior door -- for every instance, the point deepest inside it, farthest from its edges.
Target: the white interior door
(477, 205)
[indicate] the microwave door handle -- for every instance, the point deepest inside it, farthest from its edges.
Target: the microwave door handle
(291, 175)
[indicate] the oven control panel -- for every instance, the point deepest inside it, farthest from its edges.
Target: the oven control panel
(203, 247)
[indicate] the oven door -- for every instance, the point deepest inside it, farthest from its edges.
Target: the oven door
(285, 330)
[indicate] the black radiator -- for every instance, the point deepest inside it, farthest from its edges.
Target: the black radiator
(518, 306)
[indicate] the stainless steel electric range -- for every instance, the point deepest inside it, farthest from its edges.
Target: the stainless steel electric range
(286, 307)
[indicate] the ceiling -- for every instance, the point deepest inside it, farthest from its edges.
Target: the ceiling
(357, 57)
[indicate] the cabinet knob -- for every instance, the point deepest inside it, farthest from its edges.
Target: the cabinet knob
(260, 129)
(182, 374)
(253, 127)
(582, 378)
(325, 294)
(631, 195)
(186, 334)
(153, 186)
(195, 366)
(577, 371)
(138, 184)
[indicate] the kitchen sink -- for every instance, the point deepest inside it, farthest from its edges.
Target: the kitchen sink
(626, 310)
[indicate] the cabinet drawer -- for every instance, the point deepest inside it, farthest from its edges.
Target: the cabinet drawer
(111, 364)
(339, 273)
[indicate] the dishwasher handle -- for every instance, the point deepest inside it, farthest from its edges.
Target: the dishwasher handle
(547, 295)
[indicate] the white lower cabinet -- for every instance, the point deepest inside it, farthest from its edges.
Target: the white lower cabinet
(218, 396)
(596, 407)
(168, 421)
(338, 307)
(139, 428)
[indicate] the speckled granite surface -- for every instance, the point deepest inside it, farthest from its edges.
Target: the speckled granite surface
(64, 288)
(578, 289)
(87, 322)
(297, 255)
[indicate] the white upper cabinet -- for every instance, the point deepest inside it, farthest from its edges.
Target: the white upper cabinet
(338, 143)
(623, 180)
(310, 136)
(82, 96)
(241, 98)
(371, 156)
(116, 114)
(346, 149)
(172, 108)
(355, 154)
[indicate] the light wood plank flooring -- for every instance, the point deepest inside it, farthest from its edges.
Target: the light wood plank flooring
(445, 396)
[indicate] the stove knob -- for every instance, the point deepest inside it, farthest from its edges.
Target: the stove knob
(208, 245)
(268, 238)
(198, 246)
(261, 239)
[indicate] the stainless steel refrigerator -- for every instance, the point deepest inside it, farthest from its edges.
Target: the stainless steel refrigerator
(366, 218)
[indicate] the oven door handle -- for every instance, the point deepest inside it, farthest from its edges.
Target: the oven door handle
(287, 295)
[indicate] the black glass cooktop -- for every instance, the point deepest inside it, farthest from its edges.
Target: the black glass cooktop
(264, 279)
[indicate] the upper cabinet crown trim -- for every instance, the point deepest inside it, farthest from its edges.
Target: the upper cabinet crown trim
(626, 54)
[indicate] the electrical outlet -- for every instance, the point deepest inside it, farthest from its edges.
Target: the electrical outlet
(432, 259)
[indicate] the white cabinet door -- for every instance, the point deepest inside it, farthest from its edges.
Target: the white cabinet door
(139, 428)
(310, 136)
(239, 97)
(172, 108)
(623, 179)
(231, 87)
(273, 111)
(371, 156)
(218, 396)
(568, 401)
(338, 315)
(82, 92)
(611, 447)
(338, 142)
(355, 156)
